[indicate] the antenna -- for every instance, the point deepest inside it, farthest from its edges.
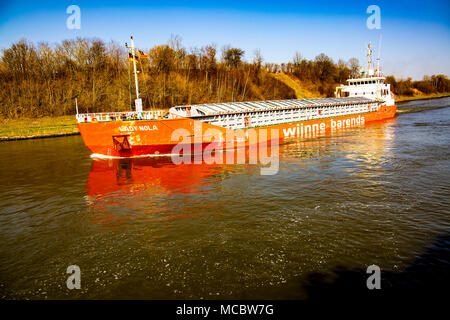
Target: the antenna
(379, 53)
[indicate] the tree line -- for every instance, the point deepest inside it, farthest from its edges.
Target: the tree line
(43, 80)
(429, 85)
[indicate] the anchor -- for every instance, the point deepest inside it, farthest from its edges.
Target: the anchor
(121, 142)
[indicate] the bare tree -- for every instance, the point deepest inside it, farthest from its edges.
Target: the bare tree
(354, 66)
(233, 57)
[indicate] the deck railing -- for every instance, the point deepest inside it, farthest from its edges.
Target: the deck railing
(124, 116)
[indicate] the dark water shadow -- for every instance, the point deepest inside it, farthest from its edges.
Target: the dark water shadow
(427, 277)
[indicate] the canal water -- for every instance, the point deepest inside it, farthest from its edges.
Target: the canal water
(149, 229)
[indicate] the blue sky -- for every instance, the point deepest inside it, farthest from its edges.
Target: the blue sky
(415, 34)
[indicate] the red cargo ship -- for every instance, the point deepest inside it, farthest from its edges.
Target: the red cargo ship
(193, 128)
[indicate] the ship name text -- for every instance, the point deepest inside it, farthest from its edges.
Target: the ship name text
(301, 130)
(137, 128)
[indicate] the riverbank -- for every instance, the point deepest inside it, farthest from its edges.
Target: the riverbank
(18, 129)
(400, 99)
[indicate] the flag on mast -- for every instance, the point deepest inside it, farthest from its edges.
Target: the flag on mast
(142, 54)
(130, 56)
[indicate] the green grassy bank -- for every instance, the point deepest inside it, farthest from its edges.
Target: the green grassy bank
(11, 129)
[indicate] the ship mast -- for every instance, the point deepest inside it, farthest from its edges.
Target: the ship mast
(369, 56)
(134, 65)
(137, 101)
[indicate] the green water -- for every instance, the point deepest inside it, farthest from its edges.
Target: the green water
(148, 229)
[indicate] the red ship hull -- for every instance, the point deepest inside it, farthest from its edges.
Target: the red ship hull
(169, 136)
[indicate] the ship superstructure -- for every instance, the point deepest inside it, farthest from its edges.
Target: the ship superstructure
(369, 84)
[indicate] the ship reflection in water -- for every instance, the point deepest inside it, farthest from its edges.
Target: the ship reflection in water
(156, 176)
(142, 183)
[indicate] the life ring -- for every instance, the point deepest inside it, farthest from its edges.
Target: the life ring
(94, 119)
